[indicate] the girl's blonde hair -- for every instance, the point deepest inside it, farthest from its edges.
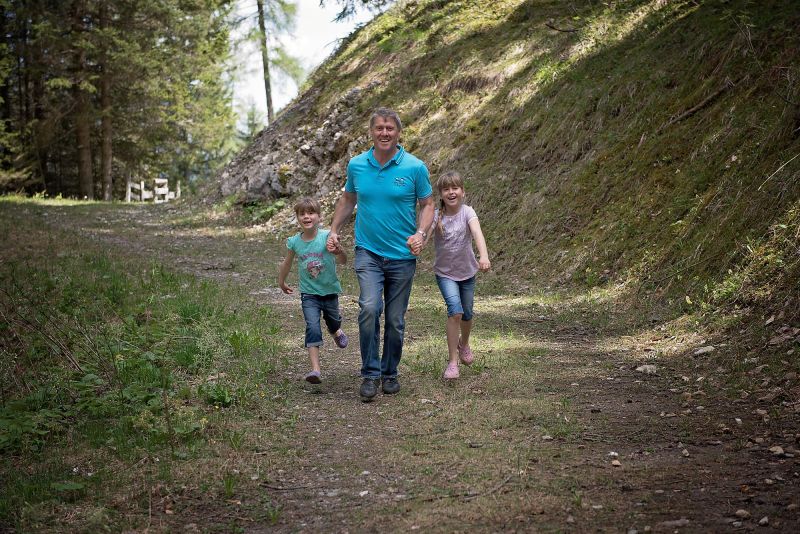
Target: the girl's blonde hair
(448, 179)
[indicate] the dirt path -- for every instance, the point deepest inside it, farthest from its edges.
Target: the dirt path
(553, 429)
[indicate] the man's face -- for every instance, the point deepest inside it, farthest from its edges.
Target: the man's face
(384, 133)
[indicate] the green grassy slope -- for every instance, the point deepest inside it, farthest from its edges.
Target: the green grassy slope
(644, 142)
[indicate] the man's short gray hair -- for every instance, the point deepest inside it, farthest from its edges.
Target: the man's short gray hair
(386, 113)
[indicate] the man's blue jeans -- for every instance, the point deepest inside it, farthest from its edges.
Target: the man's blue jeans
(382, 279)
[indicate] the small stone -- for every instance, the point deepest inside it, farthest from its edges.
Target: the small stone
(685, 453)
(570, 519)
(738, 421)
(764, 521)
(792, 507)
(547, 438)
(742, 514)
(769, 481)
(616, 463)
(736, 524)
(682, 522)
(704, 350)
(613, 454)
(648, 369)
(777, 450)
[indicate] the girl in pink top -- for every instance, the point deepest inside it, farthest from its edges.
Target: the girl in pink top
(454, 227)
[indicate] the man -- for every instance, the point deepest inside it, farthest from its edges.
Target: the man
(387, 183)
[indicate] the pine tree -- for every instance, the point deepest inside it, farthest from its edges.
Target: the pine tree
(142, 82)
(272, 19)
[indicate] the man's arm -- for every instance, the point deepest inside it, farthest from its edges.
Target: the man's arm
(344, 209)
(424, 220)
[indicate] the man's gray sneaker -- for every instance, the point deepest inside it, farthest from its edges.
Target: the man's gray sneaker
(369, 388)
(390, 386)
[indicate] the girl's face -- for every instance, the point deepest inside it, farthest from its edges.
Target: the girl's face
(452, 196)
(308, 220)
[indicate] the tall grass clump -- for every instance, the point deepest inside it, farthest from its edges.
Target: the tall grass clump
(110, 359)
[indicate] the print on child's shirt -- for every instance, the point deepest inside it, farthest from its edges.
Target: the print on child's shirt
(315, 266)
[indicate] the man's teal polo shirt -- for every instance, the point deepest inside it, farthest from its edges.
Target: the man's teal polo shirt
(387, 201)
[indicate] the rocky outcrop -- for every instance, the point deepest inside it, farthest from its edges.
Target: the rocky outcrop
(288, 159)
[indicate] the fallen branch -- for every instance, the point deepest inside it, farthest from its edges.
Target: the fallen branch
(566, 30)
(777, 171)
(494, 489)
(288, 488)
(691, 111)
(469, 494)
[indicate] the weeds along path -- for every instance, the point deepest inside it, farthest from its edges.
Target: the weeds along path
(552, 429)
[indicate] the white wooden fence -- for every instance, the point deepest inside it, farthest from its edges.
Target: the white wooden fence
(158, 191)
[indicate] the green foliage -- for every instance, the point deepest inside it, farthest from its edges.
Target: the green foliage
(216, 394)
(178, 125)
(108, 354)
(649, 178)
(259, 212)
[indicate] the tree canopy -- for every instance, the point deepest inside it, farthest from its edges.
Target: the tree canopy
(94, 91)
(349, 7)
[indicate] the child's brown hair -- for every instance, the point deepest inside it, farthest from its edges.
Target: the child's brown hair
(307, 205)
(448, 179)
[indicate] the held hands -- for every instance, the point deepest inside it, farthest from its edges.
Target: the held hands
(415, 243)
(484, 264)
(332, 244)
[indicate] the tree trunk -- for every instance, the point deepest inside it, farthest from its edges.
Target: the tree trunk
(82, 114)
(5, 93)
(265, 59)
(105, 105)
(41, 133)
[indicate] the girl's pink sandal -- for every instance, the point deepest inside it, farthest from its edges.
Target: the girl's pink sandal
(451, 372)
(465, 355)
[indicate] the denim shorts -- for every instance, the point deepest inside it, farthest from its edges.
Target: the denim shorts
(313, 306)
(458, 296)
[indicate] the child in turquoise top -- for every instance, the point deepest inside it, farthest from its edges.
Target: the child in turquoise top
(319, 285)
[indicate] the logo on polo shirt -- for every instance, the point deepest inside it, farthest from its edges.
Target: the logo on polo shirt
(400, 181)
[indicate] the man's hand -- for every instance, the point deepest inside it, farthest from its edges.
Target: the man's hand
(415, 243)
(332, 244)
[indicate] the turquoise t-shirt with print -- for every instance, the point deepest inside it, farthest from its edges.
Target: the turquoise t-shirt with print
(386, 198)
(316, 267)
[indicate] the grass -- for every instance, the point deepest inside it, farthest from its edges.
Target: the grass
(622, 231)
(204, 420)
(588, 146)
(110, 362)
